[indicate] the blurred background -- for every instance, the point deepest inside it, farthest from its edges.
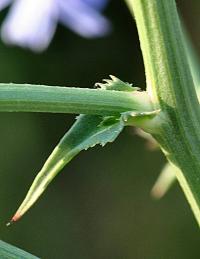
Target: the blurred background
(99, 206)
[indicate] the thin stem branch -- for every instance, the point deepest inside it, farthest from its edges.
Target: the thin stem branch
(40, 98)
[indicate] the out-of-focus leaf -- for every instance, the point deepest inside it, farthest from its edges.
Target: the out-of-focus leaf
(151, 143)
(165, 180)
(8, 251)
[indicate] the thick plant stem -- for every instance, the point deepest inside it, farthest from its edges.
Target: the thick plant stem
(170, 85)
(40, 98)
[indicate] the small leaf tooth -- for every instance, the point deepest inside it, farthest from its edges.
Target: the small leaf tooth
(114, 78)
(97, 84)
(100, 85)
(77, 117)
(135, 88)
(108, 81)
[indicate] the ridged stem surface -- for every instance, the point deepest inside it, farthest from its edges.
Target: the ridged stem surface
(170, 85)
(40, 98)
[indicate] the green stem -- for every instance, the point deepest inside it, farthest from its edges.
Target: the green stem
(192, 59)
(170, 85)
(40, 98)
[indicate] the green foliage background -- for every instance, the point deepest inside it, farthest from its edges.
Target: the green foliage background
(99, 206)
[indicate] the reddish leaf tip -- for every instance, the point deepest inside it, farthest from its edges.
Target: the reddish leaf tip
(15, 218)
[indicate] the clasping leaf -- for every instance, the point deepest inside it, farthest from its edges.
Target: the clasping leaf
(87, 131)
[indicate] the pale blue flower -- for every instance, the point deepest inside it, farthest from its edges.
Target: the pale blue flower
(32, 23)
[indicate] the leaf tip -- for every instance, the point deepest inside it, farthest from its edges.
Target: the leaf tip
(15, 218)
(157, 193)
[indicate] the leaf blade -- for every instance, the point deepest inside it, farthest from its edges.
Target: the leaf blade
(87, 131)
